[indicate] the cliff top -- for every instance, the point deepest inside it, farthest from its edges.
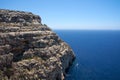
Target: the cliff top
(11, 16)
(17, 21)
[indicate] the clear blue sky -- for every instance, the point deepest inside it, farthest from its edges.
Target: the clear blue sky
(71, 14)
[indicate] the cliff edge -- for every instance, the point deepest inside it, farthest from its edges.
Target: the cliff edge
(30, 50)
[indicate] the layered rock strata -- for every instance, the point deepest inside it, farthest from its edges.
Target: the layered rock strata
(30, 50)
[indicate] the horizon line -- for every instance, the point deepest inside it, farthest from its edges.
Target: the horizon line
(88, 29)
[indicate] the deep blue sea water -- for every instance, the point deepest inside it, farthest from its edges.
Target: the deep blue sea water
(97, 54)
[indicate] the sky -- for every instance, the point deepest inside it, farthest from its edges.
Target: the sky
(71, 14)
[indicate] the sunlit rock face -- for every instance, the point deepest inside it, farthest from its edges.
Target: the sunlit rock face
(29, 50)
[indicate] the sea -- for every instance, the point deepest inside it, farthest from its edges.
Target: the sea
(97, 54)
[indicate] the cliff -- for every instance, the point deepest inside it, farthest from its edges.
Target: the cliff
(30, 50)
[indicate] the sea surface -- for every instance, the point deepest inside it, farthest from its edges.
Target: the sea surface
(97, 54)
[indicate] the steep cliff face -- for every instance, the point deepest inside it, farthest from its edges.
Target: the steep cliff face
(30, 50)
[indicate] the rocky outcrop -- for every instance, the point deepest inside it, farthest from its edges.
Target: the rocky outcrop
(29, 50)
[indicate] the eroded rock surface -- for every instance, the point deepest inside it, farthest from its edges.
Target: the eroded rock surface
(29, 50)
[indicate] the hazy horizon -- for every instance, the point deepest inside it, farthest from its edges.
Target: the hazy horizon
(69, 14)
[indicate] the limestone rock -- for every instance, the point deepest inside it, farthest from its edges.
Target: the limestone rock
(30, 50)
